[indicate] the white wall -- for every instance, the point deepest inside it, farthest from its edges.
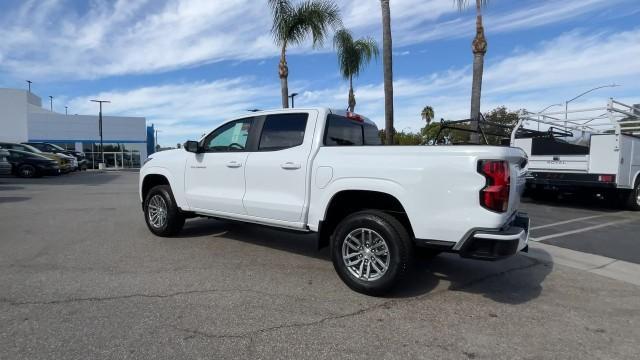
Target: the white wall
(54, 126)
(13, 115)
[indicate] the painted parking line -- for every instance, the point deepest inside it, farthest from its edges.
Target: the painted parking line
(570, 221)
(588, 228)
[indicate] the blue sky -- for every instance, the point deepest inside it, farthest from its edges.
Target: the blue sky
(187, 64)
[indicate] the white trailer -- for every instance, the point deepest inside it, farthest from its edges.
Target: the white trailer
(594, 149)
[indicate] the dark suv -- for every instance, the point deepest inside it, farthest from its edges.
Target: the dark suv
(52, 148)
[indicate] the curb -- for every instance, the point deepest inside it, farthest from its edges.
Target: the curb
(596, 264)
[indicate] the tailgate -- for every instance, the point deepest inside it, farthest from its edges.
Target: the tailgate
(517, 172)
(564, 163)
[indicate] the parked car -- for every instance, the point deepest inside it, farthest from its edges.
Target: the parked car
(64, 162)
(28, 164)
(319, 170)
(5, 165)
(80, 159)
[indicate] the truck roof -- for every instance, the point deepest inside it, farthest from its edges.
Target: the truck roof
(321, 109)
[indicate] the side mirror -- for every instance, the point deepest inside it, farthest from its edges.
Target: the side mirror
(192, 146)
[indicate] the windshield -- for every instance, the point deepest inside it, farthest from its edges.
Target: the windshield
(56, 147)
(32, 149)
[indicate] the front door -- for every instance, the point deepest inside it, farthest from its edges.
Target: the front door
(214, 178)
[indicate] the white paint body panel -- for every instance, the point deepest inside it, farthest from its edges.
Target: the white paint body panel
(438, 186)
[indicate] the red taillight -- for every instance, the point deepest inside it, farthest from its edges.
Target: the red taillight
(495, 195)
(606, 178)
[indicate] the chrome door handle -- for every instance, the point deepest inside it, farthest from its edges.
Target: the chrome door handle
(233, 164)
(290, 166)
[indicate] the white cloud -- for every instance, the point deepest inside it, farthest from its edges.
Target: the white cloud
(51, 39)
(186, 110)
(531, 78)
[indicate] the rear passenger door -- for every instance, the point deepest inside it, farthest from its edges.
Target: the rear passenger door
(276, 173)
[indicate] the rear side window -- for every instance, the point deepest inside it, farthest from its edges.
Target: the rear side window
(342, 131)
(282, 131)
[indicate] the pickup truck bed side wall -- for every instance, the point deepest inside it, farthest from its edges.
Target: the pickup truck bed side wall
(437, 186)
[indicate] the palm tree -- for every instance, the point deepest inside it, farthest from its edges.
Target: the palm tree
(352, 57)
(479, 48)
(427, 114)
(293, 23)
(388, 71)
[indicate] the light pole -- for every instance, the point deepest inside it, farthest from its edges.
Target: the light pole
(51, 102)
(566, 103)
(293, 96)
(29, 82)
(100, 127)
(156, 142)
(543, 110)
(552, 105)
(66, 110)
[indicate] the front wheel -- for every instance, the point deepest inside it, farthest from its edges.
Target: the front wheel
(371, 251)
(161, 213)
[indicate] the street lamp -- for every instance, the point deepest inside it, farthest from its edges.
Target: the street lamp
(100, 127)
(552, 105)
(51, 101)
(66, 110)
(566, 103)
(29, 82)
(293, 96)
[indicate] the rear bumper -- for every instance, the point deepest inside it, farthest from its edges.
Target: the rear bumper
(489, 244)
(543, 179)
(498, 244)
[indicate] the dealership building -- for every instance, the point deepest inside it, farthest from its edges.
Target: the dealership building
(22, 118)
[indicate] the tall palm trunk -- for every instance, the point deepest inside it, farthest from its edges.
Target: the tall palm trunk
(479, 47)
(352, 96)
(283, 71)
(388, 72)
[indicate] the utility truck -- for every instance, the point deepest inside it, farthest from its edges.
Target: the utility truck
(325, 171)
(590, 150)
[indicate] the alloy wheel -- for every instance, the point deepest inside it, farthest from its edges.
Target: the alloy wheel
(157, 212)
(365, 254)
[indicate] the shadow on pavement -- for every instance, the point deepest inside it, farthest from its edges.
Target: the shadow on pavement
(515, 280)
(84, 178)
(10, 199)
(577, 201)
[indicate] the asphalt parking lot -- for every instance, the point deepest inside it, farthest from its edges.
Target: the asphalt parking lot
(82, 278)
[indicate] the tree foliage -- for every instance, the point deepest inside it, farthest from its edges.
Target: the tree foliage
(292, 24)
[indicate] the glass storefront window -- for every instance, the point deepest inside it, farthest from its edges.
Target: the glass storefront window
(116, 155)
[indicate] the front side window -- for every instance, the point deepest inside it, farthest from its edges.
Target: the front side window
(230, 137)
(282, 131)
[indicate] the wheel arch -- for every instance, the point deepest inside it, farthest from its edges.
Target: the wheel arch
(348, 201)
(153, 178)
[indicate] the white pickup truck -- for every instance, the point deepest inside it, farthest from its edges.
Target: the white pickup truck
(324, 171)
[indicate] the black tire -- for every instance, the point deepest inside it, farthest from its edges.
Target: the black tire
(174, 219)
(633, 198)
(396, 239)
(27, 171)
(426, 253)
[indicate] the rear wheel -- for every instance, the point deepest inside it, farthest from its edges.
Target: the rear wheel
(27, 171)
(633, 198)
(161, 213)
(371, 251)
